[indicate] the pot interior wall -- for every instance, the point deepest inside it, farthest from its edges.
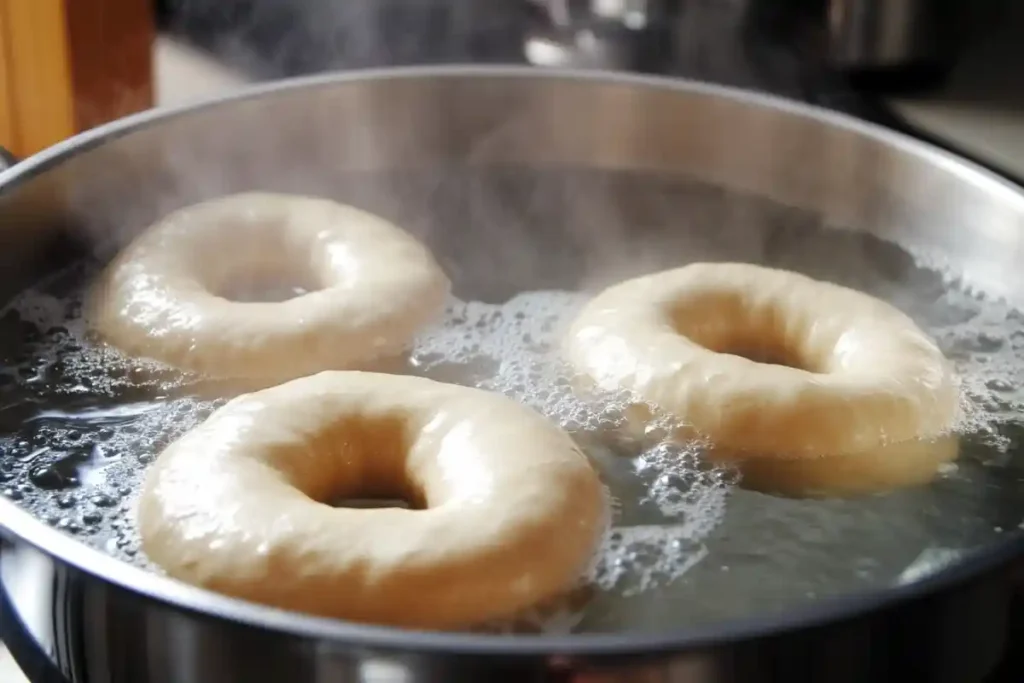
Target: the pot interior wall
(430, 134)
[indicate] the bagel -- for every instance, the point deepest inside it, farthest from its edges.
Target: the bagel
(171, 294)
(508, 512)
(819, 387)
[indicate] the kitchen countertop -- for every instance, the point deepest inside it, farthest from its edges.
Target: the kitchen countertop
(981, 108)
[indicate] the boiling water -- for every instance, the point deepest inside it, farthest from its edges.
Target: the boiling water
(79, 423)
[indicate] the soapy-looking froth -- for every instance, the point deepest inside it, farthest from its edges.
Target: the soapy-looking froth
(511, 348)
(508, 348)
(80, 422)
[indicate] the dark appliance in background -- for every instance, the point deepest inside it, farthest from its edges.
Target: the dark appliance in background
(774, 45)
(841, 54)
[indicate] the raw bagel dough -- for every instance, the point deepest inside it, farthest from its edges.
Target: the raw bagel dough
(857, 384)
(373, 286)
(512, 512)
(890, 466)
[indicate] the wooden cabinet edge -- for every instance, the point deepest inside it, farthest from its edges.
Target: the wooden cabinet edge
(69, 65)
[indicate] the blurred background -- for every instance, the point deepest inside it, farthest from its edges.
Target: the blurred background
(946, 68)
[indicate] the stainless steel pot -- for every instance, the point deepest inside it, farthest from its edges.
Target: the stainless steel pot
(72, 613)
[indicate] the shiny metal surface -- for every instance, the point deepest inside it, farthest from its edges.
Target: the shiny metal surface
(98, 620)
(65, 625)
(887, 33)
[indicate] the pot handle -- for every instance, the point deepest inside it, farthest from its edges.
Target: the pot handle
(7, 159)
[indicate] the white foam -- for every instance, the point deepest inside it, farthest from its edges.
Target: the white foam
(671, 501)
(508, 348)
(513, 348)
(985, 340)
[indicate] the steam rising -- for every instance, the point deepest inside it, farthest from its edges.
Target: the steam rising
(276, 38)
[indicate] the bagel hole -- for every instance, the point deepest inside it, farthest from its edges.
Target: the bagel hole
(375, 498)
(374, 503)
(723, 325)
(766, 356)
(268, 285)
(765, 353)
(367, 465)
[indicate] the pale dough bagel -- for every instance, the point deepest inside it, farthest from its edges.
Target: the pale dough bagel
(890, 466)
(855, 375)
(166, 296)
(509, 511)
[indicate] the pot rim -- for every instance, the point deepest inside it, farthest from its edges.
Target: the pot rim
(32, 531)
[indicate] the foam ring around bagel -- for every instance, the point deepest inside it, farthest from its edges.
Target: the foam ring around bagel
(813, 388)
